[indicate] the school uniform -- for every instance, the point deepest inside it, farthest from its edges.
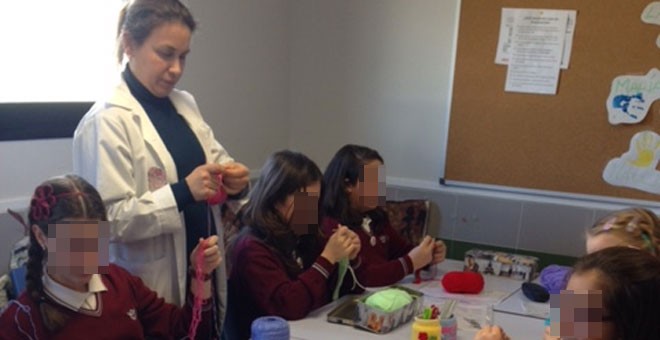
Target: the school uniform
(117, 306)
(383, 254)
(259, 285)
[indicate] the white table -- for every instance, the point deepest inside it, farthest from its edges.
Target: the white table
(517, 325)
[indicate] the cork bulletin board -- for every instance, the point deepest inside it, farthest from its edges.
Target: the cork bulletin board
(559, 143)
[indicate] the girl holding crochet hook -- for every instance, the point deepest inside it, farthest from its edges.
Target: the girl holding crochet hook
(72, 292)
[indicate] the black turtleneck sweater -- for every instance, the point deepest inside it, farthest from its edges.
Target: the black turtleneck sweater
(186, 151)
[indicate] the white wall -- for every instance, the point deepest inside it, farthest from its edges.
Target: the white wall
(238, 71)
(376, 73)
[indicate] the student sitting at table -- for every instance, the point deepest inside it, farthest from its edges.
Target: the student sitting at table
(279, 264)
(611, 294)
(352, 196)
(73, 293)
(633, 227)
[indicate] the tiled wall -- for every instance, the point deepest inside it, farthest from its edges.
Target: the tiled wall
(513, 223)
(518, 224)
(10, 232)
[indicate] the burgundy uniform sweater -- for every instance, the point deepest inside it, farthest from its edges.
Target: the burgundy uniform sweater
(129, 310)
(259, 285)
(382, 264)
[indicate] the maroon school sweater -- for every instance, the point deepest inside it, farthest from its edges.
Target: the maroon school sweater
(259, 285)
(382, 264)
(130, 310)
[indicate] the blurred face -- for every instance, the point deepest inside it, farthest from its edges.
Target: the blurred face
(368, 191)
(76, 249)
(159, 62)
(582, 314)
(301, 208)
(602, 241)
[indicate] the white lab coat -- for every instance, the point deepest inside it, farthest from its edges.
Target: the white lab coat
(115, 147)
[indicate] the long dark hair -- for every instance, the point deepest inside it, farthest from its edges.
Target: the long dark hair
(55, 200)
(630, 281)
(344, 170)
(139, 17)
(284, 173)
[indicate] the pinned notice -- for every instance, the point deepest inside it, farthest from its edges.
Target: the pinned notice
(537, 47)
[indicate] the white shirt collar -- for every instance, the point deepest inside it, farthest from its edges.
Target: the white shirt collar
(72, 299)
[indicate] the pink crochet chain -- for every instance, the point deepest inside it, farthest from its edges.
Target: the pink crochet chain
(197, 295)
(219, 198)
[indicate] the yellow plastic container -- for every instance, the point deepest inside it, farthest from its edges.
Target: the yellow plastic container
(426, 329)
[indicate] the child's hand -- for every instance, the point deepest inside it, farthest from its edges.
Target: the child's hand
(547, 336)
(491, 333)
(423, 253)
(212, 257)
(355, 240)
(339, 246)
(439, 252)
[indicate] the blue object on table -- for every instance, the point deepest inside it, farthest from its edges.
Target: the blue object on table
(270, 328)
(535, 292)
(17, 277)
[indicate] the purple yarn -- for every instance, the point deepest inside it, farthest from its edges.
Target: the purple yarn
(554, 278)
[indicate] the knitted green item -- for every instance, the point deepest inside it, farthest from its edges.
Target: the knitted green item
(389, 299)
(341, 272)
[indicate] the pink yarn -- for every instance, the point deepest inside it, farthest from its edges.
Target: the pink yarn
(197, 298)
(220, 195)
(219, 198)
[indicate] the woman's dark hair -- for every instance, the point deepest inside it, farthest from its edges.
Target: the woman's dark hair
(54, 201)
(284, 173)
(344, 170)
(139, 18)
(630, 281)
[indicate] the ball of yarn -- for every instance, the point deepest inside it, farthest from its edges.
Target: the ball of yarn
(388, 300)
(270, 328)
(535, 292)
(463, 282)
(220, 194)
(554, 278)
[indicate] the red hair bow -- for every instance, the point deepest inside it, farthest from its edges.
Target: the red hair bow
(41, 203)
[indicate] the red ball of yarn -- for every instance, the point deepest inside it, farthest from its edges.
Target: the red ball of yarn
(463, 282)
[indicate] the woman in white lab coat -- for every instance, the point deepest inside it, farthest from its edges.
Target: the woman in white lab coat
(154, 160)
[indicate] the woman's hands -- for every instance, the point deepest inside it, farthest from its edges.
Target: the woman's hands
(342, 243)
(203, 181)
(235, 177)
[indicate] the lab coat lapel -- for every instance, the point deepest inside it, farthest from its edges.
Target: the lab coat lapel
(159, 153)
